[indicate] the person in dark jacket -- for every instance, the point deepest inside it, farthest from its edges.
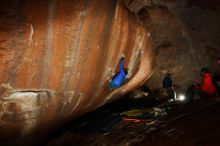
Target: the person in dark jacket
(205, 89)
(167, 81)
(119, 78)
(168, 86)
(216, 80)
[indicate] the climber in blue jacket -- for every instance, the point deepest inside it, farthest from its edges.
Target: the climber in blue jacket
(119, 78)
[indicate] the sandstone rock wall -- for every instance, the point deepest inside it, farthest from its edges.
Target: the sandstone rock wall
(56, 60)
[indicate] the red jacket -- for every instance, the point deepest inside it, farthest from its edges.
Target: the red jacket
(207, 85)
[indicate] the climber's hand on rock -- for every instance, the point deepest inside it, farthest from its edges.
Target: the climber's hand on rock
(122, 55)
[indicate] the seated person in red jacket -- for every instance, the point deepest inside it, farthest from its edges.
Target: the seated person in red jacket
(205, 89)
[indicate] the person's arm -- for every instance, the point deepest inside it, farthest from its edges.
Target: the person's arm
(204, 85)
(122, 65)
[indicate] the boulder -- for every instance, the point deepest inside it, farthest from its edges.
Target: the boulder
(57, 58)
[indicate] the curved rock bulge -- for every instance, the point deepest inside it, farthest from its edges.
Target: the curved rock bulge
(57, 58)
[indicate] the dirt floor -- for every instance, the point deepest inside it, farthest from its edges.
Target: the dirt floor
(194, 124)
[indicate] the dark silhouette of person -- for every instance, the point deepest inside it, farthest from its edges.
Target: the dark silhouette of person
(216, 80)
(167, 81)
(168, 85)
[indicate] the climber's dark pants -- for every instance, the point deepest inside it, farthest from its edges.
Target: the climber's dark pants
(171, 93)
(192, 91)
(216, 82)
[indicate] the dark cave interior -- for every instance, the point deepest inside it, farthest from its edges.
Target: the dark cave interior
(62, 81)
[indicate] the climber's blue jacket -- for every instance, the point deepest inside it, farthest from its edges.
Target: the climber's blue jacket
(119, 78)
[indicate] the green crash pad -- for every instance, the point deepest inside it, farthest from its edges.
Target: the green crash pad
(138, 113)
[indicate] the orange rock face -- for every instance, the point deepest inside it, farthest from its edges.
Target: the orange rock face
(57, 57)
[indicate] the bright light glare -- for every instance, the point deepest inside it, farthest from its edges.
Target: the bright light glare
(181, 97)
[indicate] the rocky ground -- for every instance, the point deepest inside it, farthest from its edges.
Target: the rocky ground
(198, 125)
(191, 124)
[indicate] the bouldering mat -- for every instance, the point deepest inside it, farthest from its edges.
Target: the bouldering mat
(138, 113)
